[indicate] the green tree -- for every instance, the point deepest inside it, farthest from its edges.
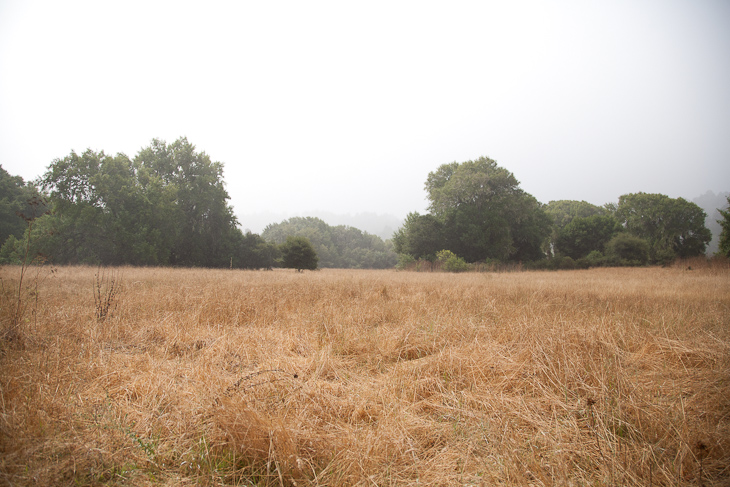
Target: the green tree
(562, 212)
(202, 224)
(585, 234)
(106, 210)
(421, 237)
(298, 253)
(87, 193)
(565, 211)
(25, 250)
(15, 196)
(256, 253)
(673, 227)
(530, 229)
(725, 233)
(480, 212)
(167, 206)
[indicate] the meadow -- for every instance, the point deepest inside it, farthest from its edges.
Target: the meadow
(150, 376)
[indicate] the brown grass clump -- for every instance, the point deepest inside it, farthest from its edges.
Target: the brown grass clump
(606, 376)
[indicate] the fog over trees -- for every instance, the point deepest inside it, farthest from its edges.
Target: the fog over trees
(169, 205)
(340, 246)
(712, 204)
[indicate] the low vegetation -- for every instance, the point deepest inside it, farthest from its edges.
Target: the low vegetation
(341, 377)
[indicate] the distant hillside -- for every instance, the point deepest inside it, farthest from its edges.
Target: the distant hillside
(382, 225)
(710, 202)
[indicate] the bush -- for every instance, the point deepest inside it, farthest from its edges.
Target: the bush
(596, 258)
(11, 251)
(450, 262)
(593, 259)
(567, 263)
(626, 249)
(405, 261)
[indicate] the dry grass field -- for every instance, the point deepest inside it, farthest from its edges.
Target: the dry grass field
(219, 377)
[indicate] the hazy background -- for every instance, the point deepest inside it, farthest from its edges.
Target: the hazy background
(344, 108)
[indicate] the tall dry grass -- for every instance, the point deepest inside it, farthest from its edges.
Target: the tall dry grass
(607, 376)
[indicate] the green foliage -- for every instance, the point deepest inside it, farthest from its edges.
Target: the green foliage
(450, 262)
(24, 250)
(11, 251)
(480, 213)
(725, 233)
(405, 261)
(627, 249)
(673, 227)
(567, 263)
(168, 206)
(99, 209)
(530, 229)
(337, 247)
(421, 236)
(298, 253)
(586, 234)
(565, 211)
(256, 253)
(595, 258)
(14, 197)
(201, 220)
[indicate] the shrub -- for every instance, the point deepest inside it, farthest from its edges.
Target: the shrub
(450, 262)
(595, 258)
(567, 263)
(626, 249)
(405, 261)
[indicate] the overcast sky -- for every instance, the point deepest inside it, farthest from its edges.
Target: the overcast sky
(347, 106)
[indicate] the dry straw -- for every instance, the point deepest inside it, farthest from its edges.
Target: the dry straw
(599, 377)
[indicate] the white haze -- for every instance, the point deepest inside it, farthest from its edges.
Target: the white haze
(345, 107)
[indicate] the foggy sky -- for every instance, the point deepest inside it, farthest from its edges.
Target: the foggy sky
(346, 107)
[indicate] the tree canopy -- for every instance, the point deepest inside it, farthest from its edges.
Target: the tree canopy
(565, 211)
(421, 236)
(673, 227)
(167, 206)
(14, 197)
(584, 235)
(479, 212)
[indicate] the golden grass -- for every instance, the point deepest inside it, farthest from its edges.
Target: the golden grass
(219, 377)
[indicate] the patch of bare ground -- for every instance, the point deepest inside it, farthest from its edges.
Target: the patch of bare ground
(207, 377)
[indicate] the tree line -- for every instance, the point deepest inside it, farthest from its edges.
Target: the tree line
(479, 213)
(169, 206)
